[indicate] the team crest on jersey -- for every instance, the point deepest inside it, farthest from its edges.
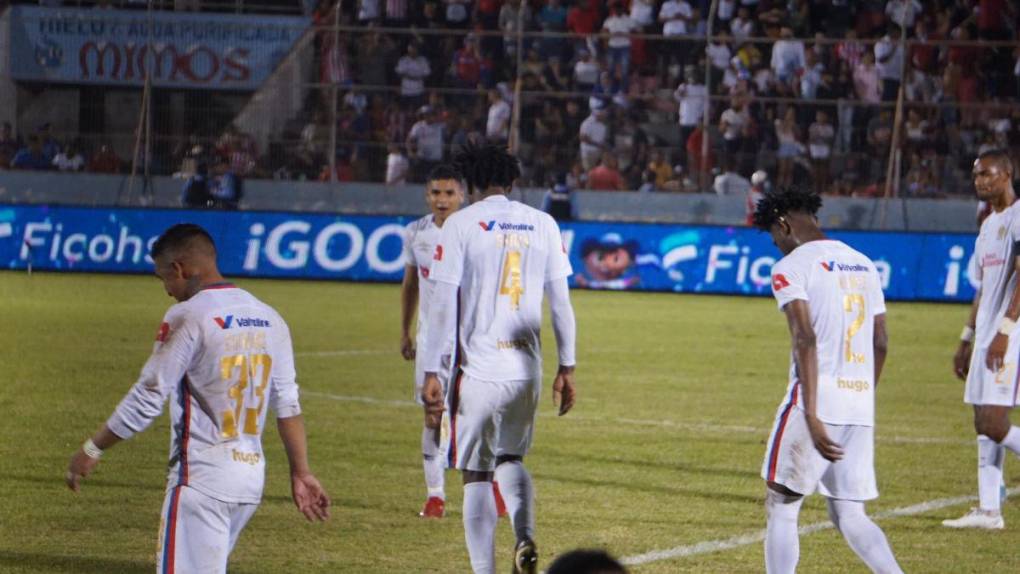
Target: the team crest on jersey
(163, 333)
(438, 256)
(487, 226)
(1002, 232)
(779, 282)
(424, 271)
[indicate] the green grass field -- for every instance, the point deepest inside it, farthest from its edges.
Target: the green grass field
(662, 450)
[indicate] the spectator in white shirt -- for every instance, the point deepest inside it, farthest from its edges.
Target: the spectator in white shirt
(397, 166)
(642, 12)
(675, 16)
(787, 56)
(742, 27)
(412, 68)
(425, 143)
(821, 136)
(619, 26)
(69, 159)
(889, 60)
(903, 12)
(692, 96)
(586, 71)
(497, 125)
(594, 134)
(729, 182)
(733, 123)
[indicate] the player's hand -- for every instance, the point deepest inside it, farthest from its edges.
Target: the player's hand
(432, 396)
(996, 352)
(961, 361)
(407, 347)
(309, 496)
(564, 392)
(81, 465)
(829, 450)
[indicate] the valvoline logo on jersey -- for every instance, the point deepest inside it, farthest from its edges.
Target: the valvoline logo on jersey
(832, 266)
(490, 225)
(229, 321)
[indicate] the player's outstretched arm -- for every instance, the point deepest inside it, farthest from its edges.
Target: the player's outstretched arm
(565, 329)
(309, 496)
(86, 458)
(408, 305)
(961, 360)
(802, 334)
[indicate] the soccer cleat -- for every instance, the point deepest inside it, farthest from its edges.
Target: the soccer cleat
(435, 507)
(525, 557)
(500, 505)
(977, 518)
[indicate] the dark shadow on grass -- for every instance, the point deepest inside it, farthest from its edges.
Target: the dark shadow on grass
(713, 495)
(51, 563)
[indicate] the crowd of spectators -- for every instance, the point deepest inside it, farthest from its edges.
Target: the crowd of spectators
(614, 95)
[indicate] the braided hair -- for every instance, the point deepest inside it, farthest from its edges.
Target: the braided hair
(776, 204)
(487, 166)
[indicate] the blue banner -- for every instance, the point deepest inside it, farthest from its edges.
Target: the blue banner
(212, 51)
(685, 259)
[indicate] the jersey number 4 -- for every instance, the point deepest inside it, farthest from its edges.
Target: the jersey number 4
(244, 368)
(510, 284)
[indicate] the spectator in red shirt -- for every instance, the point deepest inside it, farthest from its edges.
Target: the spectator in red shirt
(606, 176)
(104, 161)
(584, 17)
(467, 64)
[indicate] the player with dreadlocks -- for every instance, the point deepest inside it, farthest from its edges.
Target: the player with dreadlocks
(832, 298)
(493, 262)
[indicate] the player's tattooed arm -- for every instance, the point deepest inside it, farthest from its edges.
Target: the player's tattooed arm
(408, 305)
(805, 348)
(881, 345)
(961, 360)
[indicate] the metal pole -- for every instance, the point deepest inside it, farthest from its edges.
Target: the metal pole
(707, 115)
(895, 146)
(333, 94)
(515, 115)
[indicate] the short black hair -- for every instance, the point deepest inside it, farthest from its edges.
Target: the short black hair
(181, 237)
(586, 562)
(487, 166)
(999, 155)
(445, 171)
(779, 202)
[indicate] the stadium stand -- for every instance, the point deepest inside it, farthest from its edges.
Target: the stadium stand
(806, 90)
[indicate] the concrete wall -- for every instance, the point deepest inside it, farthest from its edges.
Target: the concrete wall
(269, 195)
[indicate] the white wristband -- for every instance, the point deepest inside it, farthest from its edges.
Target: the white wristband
(967, 336)
(91, 450)
(1006, 326)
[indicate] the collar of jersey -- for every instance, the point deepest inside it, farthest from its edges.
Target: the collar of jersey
(220, 285)
(497, 197)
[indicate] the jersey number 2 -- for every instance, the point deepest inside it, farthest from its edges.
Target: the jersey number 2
(245, 367)
(849, 302)
(510, 284)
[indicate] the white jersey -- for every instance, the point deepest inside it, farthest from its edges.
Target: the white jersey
(995, 252)
(223, 358)
(844, 293)
(420, 240)
(500, 253)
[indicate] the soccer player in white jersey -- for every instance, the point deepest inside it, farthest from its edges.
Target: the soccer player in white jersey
(444, 195)
(990, 343)
(823, 437)
(494, 262)
(223, 358)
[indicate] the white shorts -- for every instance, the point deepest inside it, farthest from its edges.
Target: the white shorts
(490, 419)
(793, 461)
(985, 387)
(197, 532)
(419, 376)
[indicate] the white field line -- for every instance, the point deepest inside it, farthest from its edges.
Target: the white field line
(759, 536)
(345, 353)
(692, 426)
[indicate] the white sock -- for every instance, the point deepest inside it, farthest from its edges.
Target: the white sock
(990, 458)
(782, 543)
(519, 496)
(1012, 440)
(480, 526)
(864, 536)
(433, 463)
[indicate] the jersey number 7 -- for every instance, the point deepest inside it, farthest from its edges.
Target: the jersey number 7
(245, 366)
